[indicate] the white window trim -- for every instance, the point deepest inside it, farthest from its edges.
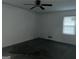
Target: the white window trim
(68, 25)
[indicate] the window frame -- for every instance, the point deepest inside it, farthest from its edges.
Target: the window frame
(69, 25)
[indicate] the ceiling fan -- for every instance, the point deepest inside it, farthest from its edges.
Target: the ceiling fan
(38, 4)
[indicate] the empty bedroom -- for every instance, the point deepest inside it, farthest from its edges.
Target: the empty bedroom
(38, 29)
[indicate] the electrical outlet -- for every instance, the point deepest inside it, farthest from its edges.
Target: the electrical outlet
(50, 37)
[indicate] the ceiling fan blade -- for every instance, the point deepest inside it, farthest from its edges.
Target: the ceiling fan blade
(32, 7)
(42, 7)
(47, 4)
(28, 4)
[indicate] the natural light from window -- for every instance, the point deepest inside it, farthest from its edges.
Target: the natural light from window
(69, 25)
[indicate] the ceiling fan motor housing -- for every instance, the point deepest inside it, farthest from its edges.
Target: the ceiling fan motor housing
(38, 2)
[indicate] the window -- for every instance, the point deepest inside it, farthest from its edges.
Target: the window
(69, 25)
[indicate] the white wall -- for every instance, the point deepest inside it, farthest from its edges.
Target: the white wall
(21, 25)
(52, 25)
(18, 25)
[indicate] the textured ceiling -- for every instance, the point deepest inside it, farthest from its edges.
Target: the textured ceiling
(58, 5)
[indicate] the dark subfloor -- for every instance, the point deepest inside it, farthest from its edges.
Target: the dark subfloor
(41, 49)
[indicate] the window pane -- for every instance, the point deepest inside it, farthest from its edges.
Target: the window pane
(69, 20)
(69, 30)
(69, 25)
